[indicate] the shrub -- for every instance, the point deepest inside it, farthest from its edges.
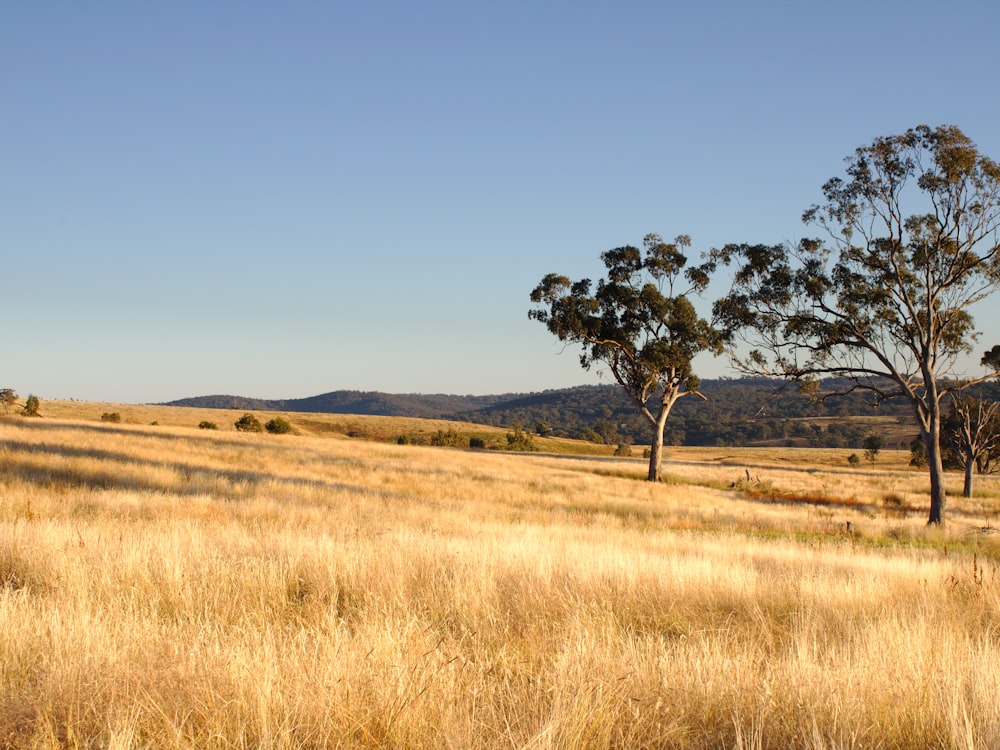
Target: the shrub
(31, 406)
(477, 443)
(248, 423)
(206, 425)
(113, 417)
(853, 459)
(624, 450)
(519, 440)
(448, 438)
(278, 426)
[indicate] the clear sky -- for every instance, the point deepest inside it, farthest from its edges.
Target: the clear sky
(282, 199)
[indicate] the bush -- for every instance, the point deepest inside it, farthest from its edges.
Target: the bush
(248, 423)
(278, 426)
(31, 406)
(624, 450)
(206, 425)
(853, 459)
(449, 438)
(477, 443)
(113, 417)
(519, 440)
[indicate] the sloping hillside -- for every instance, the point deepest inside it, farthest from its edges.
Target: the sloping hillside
(737, 412)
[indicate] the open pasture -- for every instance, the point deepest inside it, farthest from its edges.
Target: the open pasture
(162, 586)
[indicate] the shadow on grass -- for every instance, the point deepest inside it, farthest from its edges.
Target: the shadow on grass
(28, 463)
(127, 431)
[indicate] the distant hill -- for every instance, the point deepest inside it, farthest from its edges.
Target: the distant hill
(436, 406)
(738, 412)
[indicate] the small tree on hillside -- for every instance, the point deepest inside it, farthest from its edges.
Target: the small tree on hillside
(873, 446)
(885, 305)
(639, 323)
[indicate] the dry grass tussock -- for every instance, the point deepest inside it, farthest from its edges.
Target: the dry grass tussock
(171, 588)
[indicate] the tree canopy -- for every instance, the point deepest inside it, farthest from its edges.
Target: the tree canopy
(883, 299)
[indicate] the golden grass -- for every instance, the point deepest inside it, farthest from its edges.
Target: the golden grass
(168, 587)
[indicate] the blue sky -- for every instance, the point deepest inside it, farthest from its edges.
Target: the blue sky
(283, 199)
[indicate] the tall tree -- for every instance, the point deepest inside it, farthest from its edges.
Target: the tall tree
(639, 323)
(884, 302)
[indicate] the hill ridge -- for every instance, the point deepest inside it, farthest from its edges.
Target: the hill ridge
(738, 411)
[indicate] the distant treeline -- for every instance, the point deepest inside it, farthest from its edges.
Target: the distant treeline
(741, 411)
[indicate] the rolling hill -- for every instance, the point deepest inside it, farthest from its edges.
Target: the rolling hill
(737, 412)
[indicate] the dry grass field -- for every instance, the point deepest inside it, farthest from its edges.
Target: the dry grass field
(168, 587)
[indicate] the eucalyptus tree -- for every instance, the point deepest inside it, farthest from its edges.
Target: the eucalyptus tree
(638, 322)
(883, 301)
(973, 427)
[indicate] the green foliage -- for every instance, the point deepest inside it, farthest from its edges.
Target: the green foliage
(248, 423)
(206, 425)
(477, 443)
(113, 417)
(278, 426)
(31, 406)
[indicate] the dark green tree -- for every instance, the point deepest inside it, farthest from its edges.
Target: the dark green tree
(884, 301)
(639, 323)
(873, 446)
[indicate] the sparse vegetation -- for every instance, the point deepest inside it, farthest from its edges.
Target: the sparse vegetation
(111, 416)
(207, 425)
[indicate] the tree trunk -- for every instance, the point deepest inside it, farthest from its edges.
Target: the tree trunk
(967, 487)
(656, 447)
(932, 444)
